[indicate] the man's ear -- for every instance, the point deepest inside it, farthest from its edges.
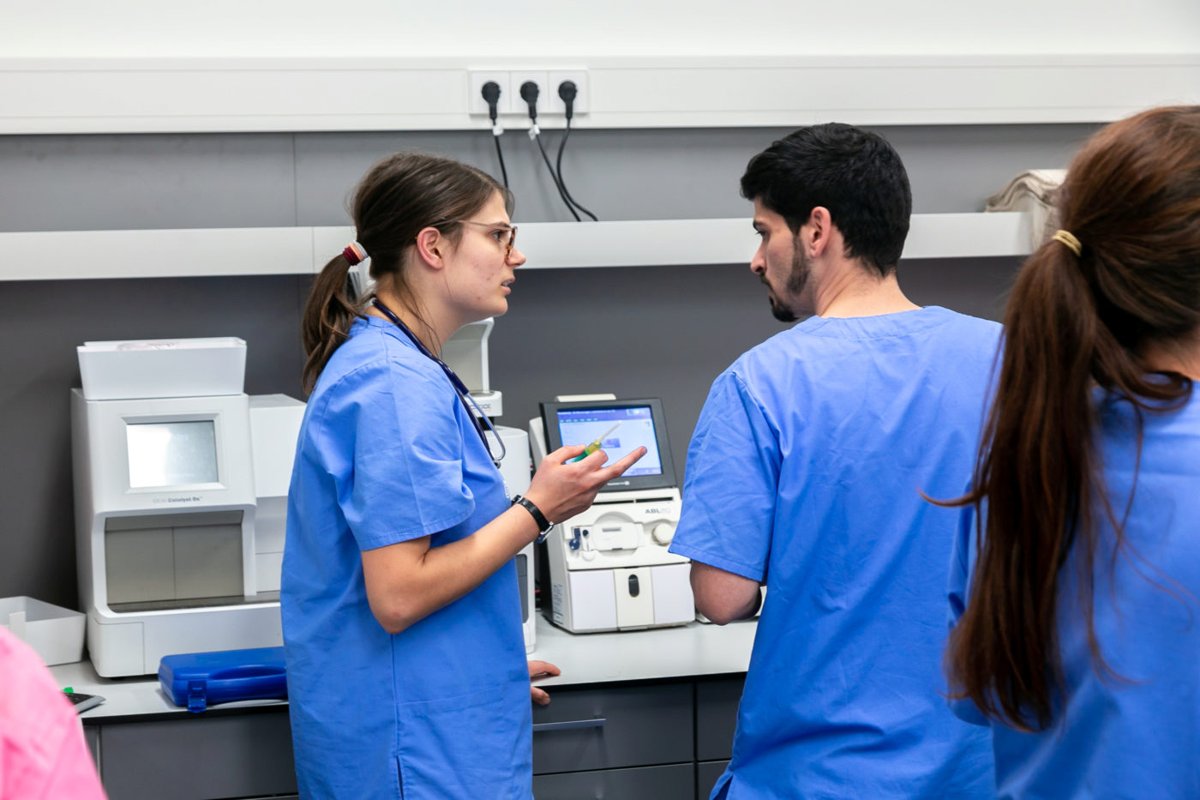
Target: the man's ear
(820, 231)
(432, 247)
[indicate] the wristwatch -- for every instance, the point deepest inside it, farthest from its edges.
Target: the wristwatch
(544, 525)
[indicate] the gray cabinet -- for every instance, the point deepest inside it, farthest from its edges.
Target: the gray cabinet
(716, 719)
(707, 773)
(194, 758)
(627, 741)
(609, 727)
(716, 716)
(673, 782)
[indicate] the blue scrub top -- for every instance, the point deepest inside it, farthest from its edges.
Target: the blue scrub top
(387, 453)
(805, 473)
(1136, 736)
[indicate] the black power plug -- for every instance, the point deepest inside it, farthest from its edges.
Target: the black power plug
(529, 93)
(567, 91)
(491, 95)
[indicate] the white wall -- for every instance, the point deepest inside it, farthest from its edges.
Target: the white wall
(145, 66)
(538, 28)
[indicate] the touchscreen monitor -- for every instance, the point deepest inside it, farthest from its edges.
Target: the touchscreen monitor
(621, 426)
(165, 454)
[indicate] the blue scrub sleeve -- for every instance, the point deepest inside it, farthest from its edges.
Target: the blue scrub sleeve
(732, 481)
(407, 480)
(962, 561)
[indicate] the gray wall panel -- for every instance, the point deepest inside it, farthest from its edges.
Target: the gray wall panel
(956, 167)
(328, 165)
(148, 181)
(676, 174)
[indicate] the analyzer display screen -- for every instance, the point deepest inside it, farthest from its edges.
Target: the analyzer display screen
(620, 430)
(171, 453)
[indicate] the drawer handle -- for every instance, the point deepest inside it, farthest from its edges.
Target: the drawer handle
(569, 725)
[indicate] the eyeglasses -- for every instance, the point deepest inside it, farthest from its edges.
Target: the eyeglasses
(504, 235)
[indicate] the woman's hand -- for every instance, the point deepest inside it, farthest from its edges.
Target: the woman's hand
(562, 488)
(541, 669)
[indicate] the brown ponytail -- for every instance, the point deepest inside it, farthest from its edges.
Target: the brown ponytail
(331, 308)
(1074, 325)
(397, 198)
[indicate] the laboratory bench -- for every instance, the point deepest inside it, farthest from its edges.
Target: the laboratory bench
(639, 714)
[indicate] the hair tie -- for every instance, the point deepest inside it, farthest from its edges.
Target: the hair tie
(1067, 238)
(354, 253)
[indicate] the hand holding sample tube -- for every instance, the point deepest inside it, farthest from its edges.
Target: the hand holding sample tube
(595, 444)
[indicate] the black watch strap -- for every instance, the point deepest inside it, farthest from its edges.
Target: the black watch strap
(544, 525)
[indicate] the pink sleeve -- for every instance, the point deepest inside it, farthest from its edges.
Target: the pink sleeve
(42, 750)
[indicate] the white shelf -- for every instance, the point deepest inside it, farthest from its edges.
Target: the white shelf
(198, 252)
(220, 94)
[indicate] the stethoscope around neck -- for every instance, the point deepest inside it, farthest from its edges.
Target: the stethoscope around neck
(482, 424)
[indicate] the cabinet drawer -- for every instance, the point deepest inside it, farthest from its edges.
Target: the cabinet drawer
(614, 726)
(707, 773)
(675, 782)
(206, 756)
(716, 716)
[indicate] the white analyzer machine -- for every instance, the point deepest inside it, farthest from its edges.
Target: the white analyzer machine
(181, 486)
(609, 566)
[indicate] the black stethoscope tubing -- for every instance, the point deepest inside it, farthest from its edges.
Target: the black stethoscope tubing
(464, 394)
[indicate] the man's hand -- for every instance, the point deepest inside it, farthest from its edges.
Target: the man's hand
(541, 669)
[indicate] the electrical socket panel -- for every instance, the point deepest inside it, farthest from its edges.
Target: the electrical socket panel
(510, 82)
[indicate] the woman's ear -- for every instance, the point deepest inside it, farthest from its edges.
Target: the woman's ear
(431, 247)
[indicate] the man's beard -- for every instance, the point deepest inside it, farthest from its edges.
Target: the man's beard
(796, 281)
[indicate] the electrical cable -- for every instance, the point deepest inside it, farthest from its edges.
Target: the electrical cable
(529, 93)
(567, 92)
(500, 158)
(557, 183)
(491, 95)
(561, 182)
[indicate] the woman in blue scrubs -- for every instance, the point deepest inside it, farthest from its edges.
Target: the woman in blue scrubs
(401, 614)
(1077, 609)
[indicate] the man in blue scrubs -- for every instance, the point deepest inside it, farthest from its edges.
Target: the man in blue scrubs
(805, 474)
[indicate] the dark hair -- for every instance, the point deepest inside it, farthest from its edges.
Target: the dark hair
(855, 174)
(396, 199)
(1132, 198)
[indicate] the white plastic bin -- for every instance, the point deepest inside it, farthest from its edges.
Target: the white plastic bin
(162, 368)
(54, 632)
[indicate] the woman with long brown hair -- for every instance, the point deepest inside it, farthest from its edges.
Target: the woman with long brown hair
(401, 614)
(1075, 586)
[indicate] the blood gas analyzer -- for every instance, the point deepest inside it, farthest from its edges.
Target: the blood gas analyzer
(181, 486)
(609, 566)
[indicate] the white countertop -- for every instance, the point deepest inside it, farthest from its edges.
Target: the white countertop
(662, 653)
(687, 651)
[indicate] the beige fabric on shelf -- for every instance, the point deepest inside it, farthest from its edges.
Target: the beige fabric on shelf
(1032, 191)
